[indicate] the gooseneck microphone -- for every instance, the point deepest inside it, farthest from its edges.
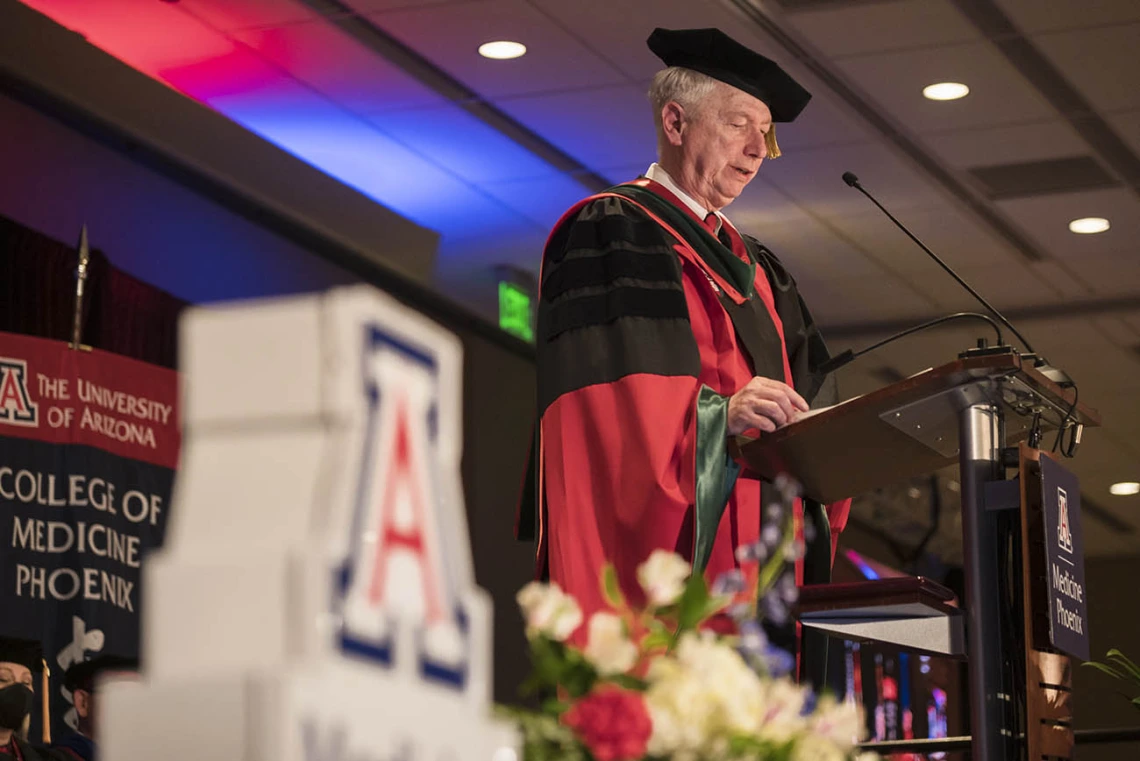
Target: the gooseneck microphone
(1055, 374)
(853, 181)
(843, 358)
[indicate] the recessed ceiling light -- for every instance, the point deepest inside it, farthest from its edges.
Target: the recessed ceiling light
(1089, 225)
(946, 91)
(502, 50)
(1125, 488)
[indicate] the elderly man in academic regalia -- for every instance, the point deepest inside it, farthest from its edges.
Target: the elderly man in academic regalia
(21, 663)
(663, 330)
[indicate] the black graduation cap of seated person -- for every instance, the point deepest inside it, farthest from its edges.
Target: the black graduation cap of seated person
(26, 652)
(82, 676)
(712, 52)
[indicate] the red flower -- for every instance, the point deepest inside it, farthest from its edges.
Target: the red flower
(612, 722)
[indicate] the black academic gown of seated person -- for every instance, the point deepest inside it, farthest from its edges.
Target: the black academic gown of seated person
(25, 751)
(75, 747)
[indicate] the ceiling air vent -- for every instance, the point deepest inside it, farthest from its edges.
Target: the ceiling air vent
(811, 5)
(1037, 178)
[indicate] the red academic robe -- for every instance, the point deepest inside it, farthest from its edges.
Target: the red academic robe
(641, 341)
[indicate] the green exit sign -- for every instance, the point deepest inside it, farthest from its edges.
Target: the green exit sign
(515, 311)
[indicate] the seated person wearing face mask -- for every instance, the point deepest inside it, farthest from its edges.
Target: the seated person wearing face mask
(20, 661)
(83, 680)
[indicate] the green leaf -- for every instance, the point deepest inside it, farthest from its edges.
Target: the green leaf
(611, 589)
(693, 602)
(657, 639)
(1112, 672)
(554, 707)
(629, 682)
(1136, 702)
(1126, 663)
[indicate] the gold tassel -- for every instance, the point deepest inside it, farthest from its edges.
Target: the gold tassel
(46, 701)
(770, 142)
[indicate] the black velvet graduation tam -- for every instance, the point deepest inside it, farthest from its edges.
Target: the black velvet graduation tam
(712, 52)
(81, 676)
(26, 652)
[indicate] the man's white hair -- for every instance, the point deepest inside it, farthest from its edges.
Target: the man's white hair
(688, 88)
(685, 86)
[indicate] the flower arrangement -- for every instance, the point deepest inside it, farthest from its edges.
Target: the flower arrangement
(654, 681)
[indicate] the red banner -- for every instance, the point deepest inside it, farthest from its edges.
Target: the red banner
(51, 393)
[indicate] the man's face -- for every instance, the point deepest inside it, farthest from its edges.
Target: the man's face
(85, 708)
(723, 146)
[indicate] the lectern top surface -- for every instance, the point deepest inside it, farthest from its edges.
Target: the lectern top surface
(908, 428)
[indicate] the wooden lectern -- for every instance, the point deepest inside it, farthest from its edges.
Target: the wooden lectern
(966, 412)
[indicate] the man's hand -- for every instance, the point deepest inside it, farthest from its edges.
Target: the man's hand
(765, 404)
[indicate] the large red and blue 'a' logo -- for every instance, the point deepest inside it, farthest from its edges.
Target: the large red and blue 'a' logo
(396, 578)
(16, 405)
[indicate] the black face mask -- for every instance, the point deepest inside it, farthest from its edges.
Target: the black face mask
(15, 704)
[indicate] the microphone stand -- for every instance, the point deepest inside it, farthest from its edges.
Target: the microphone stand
(1055, 374)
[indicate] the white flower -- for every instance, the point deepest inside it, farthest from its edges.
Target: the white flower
(663, 577)
(840, 723)
(548, 611)
(783, 710)
(811, 747)
(607, 647)
(701, 698)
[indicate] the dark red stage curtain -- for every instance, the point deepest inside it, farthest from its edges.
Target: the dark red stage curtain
(121, 313)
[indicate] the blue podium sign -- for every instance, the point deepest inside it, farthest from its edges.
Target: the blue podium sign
(1064, 560)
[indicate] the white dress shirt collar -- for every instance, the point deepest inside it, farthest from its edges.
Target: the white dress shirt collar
(658, 174)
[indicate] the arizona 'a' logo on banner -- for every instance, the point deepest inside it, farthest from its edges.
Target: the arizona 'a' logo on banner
(397, 571)
(16, 405)
(1064, 532)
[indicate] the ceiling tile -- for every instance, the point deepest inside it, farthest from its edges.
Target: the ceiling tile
(463, 144)
(811, 251)
(1100, 62)
(624, 173)
(1061, 277)
(1006, 286)
(372, 6)
(998, 93)
(951, 234)
(883, 299)
(543, 201)
(882, 27)
(1035, 16)
(1116, 274)
(1120, 332)
(623, 41)
(231, 15)
(1127, 125)
(762, 204)
(126, 31)
(520, 246)
(813, 178)
(1003, 145)
(330, 61)
(304, 124)
(450, 37)
(610, 126)
(823, 122)
(830, 304)
(1046, 219)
